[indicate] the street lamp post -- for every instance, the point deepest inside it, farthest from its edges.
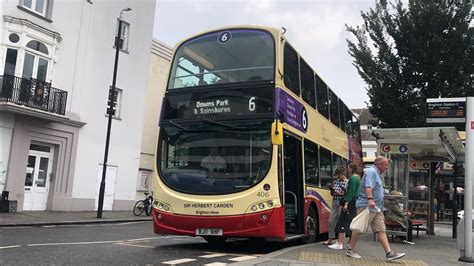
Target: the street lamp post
(110, 111)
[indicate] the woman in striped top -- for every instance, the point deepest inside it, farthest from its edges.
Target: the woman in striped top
(338, 189)
(349, 209)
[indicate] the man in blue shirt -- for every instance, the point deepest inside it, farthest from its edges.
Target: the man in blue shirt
(371, 196)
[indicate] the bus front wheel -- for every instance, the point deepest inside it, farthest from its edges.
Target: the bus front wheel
(215, 240)
(311, 227)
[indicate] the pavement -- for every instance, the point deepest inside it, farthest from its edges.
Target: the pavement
(43, 218)
(438, 249)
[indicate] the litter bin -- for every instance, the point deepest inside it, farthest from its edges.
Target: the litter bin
(461, 235)
(12, 205)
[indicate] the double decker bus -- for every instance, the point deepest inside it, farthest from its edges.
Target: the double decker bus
(249, 140)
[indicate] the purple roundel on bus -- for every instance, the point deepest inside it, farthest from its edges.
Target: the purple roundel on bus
(266, 187)
(292, 110)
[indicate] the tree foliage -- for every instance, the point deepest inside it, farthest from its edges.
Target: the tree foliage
(407, 53)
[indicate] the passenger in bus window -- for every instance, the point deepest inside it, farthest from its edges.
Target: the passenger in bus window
(338, 189)
(213, 162)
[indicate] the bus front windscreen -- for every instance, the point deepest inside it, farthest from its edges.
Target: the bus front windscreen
(214, 161)
(224, 57)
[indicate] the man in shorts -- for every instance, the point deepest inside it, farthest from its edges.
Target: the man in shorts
(371, 196)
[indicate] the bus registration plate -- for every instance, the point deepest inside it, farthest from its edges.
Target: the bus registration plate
(208, 232)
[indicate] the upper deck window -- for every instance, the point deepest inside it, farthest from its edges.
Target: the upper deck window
(333, 108)
(224, 57)
(322, 96)
(291, 70)
(307, 84)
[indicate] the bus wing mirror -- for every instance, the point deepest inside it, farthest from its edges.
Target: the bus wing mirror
(277, 133)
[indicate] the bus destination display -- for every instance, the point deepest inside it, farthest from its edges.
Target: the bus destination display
(446, 111)
(248, 101)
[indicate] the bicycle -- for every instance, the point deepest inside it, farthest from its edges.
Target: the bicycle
(144, 205)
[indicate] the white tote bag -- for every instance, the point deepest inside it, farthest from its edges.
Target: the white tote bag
(360, 223)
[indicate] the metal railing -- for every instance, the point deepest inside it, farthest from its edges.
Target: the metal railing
(33, 93)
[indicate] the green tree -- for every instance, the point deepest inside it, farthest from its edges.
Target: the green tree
(409, 52)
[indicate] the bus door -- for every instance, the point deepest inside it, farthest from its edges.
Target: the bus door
(293, 188)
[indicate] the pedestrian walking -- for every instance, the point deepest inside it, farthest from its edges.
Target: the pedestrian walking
(371, 195)
(338, 189)
(349, 209)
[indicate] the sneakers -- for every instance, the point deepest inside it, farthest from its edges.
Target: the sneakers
(351, 253)
(392, 255)
(336, 246)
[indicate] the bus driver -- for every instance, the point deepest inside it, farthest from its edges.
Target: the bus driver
(213, 162)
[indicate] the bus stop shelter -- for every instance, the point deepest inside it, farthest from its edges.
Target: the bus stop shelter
(416, 157)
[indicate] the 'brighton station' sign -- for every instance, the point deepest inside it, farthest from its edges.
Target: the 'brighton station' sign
(446, 110)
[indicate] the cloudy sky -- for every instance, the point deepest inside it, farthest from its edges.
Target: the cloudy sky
(315, 28)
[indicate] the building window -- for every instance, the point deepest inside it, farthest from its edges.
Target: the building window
(117, 102)
(124, 33)
(35, 63)
(41, 7)
(14, 38)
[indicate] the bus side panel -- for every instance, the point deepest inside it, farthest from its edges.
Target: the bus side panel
(322, 205)
(269, 223)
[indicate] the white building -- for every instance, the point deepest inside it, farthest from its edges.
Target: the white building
(160, 60)
(56, 66)
(369, 143)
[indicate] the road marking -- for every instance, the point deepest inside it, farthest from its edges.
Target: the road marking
(132, 222)
(95, 242)
(133, 245)
(174, 262)
(242, 258)
(15, 246)
(75, 243)
(216, 264)
(214, 255)
(147, 238)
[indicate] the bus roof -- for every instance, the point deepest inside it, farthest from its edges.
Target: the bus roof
(275, 32)
(272, 30)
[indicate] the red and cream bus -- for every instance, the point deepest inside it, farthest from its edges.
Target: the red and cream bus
(249, 140)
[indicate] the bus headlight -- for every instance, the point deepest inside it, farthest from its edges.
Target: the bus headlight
(162, 206)
(260, 206)
(270, 203)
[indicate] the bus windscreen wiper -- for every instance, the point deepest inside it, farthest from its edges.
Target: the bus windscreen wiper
(180, 126)
(210, 121)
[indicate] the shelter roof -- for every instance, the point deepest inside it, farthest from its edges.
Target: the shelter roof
(427, 143)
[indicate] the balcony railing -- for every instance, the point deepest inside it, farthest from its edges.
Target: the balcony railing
(33, 93)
